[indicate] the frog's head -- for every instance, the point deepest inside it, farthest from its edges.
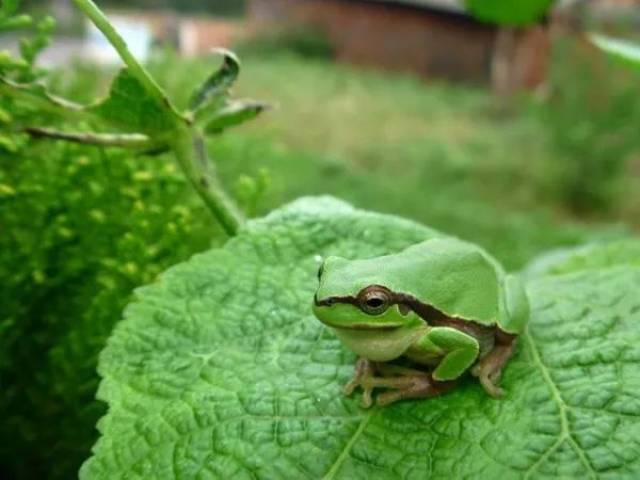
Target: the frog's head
(348, 297)
(368, 317)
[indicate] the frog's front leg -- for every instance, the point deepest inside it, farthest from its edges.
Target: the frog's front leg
(364, 370)
(455, 350)
(365, 377)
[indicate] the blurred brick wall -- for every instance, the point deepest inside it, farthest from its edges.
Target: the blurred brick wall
(433, 44)
(198, 36)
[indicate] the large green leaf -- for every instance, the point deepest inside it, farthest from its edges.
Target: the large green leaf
(219, 370)
(625, 252)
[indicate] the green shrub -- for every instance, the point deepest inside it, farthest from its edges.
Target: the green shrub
(82, 228)
(591, 114)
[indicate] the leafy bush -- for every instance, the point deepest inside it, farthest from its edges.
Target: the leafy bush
(19, 68)
(82, 229)
(591, 115)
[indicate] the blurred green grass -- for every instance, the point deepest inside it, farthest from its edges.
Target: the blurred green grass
(434, 152)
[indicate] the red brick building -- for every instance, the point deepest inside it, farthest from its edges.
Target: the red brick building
(434, 38)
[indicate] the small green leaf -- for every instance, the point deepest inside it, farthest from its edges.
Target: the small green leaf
(5, 117)
(8, 143)
(130, 107)
(216, 86)
(233, 114)
(624, 50)
(220, 370)
(9, 7)
(14, 23)
(35, 91)
(509, 13)
(9, 62)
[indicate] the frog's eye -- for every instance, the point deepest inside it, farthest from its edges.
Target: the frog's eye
(374, 300)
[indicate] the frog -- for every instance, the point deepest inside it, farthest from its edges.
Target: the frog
(422, 318)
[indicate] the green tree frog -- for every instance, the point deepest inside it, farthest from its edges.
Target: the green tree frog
(444, 306)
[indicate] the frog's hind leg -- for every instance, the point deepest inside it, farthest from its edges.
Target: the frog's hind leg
(405, 382)
(489, 368)
(415, 386)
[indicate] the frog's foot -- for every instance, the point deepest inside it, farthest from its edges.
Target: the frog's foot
(405, 382)
(364, 371)
(365, 377)
(489, 368)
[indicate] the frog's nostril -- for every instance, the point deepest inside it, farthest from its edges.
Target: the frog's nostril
(320, 270)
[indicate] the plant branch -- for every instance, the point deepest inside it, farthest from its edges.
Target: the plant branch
(181, 136)
(41, 98)
(91, 10)
(125, 140)
(192, 157)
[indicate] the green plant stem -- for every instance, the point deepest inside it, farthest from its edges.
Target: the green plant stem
(126, 140)
(91, 10)
(185, 143)
(192, 157)
(46, 102)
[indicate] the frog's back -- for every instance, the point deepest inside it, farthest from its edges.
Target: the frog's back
(458, 278)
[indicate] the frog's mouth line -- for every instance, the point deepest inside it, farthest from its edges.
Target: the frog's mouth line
(363, 326)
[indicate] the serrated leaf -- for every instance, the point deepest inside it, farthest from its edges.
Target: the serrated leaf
(130, 107)
(37, 91)
(219, 370)
(233, 114)
(214, 88)
(510, 13)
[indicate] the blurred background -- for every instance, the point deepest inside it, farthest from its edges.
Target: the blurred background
(520, 138)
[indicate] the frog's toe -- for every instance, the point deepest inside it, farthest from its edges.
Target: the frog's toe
(364, 370)
(490, 387)
(349, 388)
(367, 399)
